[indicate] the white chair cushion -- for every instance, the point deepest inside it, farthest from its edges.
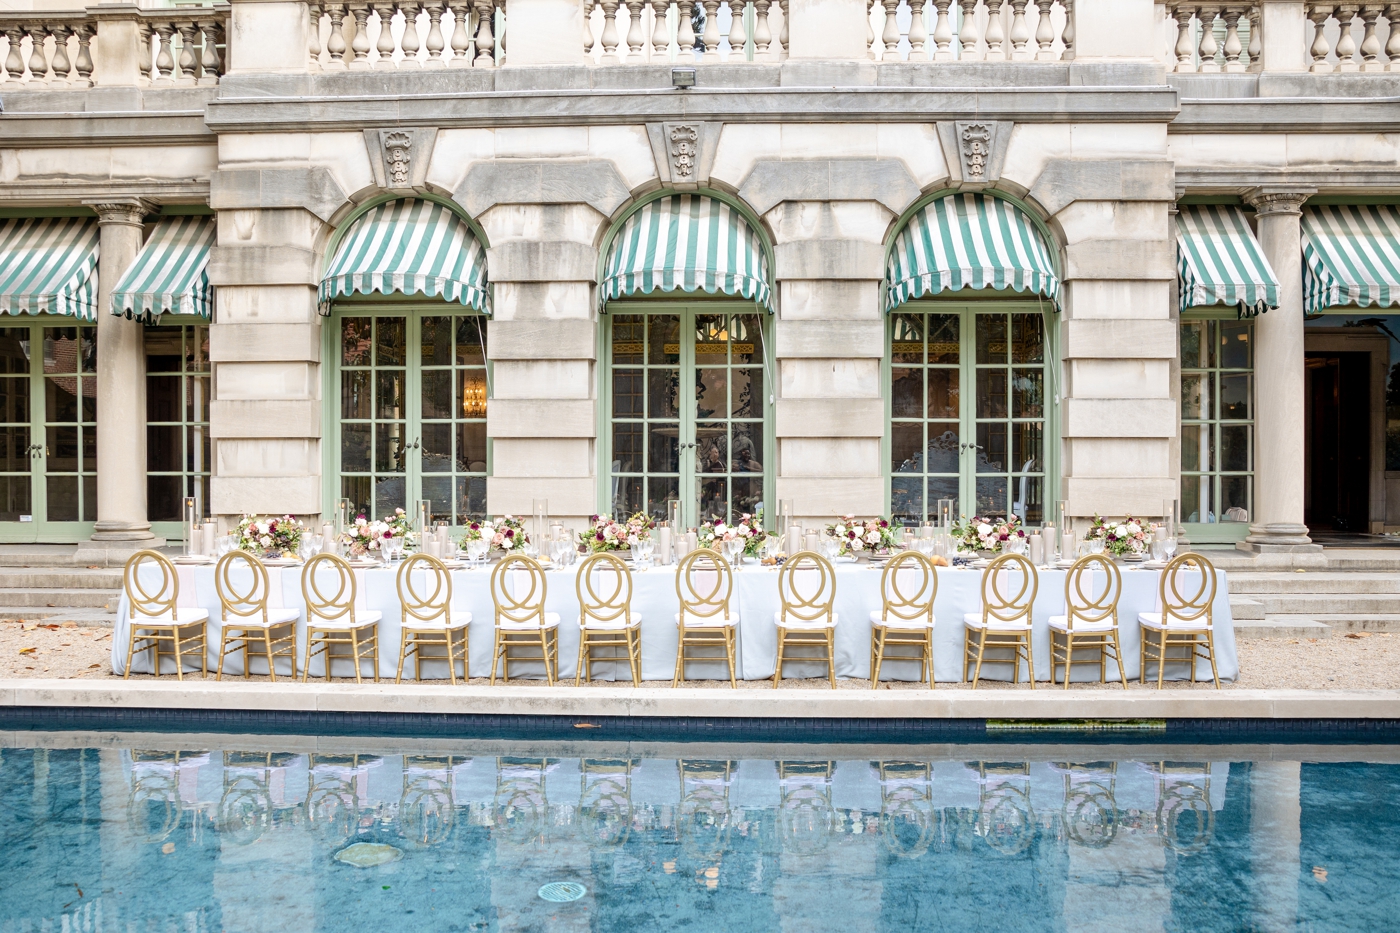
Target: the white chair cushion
(807, 624)
(1061, 624)
(612, 625)
(877, 617)
(1153, 620)
(363, 619)
(184, 615)
(694, 621)
(459, 619)
(551, 620)
(275, 617)
(974, 620)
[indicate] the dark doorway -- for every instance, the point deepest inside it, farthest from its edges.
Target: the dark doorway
(1339, 441)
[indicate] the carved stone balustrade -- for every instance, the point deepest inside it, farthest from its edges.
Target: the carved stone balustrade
(1214, 37)
(435, 34)
(971, 30)
(1354, 37)
(684, 31)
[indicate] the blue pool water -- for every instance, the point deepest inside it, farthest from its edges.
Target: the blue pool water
(112, 832)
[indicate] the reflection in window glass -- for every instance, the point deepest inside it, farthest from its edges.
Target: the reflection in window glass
(1217, 421)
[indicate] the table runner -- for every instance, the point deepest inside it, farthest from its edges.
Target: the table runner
(755, 601)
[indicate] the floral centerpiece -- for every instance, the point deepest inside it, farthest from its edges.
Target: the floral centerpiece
(506, 533)
(749, 528)
(270, 536)
(1120, 538)
(987, 534)
(858, 535)
(609, 535)
(365, 538)
(401, 526)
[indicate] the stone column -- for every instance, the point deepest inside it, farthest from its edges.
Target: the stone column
(1279, 381)
(121, 391)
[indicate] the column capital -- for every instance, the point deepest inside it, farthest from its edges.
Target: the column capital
(1278, 200)
(126, 211)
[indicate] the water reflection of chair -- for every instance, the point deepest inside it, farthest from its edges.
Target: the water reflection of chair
(1005, 818)
(1183, 790)
(704, 821)
(907, 817)
(1090, 812)
(154, 806)
(337, 787)
(605, 800)
(806, 818)
(246, 807)
(426, 807)
(521, 803)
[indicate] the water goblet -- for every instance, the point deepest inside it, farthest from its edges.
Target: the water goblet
(1016, 545)
(1169, 546)
(1159, 548)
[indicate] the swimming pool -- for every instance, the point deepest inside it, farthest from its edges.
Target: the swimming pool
(191, 833)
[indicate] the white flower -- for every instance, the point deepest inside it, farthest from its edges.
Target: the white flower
(1120, 531)
(984, 529)
(856, 544)
(721, 528)
(265, 541)
(873, 537)
(840, 530)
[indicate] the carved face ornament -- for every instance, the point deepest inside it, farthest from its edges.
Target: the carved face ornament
(683, 149)
(396, 154)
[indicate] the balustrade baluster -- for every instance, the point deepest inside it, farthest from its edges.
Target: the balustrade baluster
(996, 36)
(870, 6)
(461, 41)
(409, 43)
(1346, 45)
(783, 36)
(1392, 45)
(660, 34)
(889, 36)
(83, 62)
(384, 43)
(1319, 13)
(359, 44)
(38, 61)
(635, 39)
(610, 38)
(165, 62)
(14, 61)
(485, 34)
(60, 64)
(762, 33)
(1067, 34)
(967, 36)
(1232, 47)
(1185, 48)
(145, 61)
(685, 31)
(313, 36)
(189, 58)
(1044, 32)
(1370, 43)
(917, 32)
(211, 63)
(738, 37)
(1020, 32)
(1209, 47)
(1256, 42)
(335, 40)
(588, 41)
(711, 36)
(435, 43)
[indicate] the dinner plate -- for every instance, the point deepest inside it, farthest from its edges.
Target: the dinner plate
(281, 562)
(1064, 563)
(360, 564)
(191, 559)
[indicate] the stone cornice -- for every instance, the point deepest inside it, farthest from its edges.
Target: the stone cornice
(134, 128)
(1240, 181)
(1289, 115)
(29, 193)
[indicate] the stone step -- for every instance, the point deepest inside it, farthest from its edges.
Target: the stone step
(1358, 583)
(1243, 608)
(1282, 627)
(100, 618)
(50, 598)
(1342, 622)
(69, 578)
(1314, 603)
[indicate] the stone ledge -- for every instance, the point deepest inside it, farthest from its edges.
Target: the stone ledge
(688, 701)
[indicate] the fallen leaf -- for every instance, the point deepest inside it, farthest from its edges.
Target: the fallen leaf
(1357, 635)
(51, 605)
(1320, 874)
(29, 650)
(50, 626)
(94, 567)
(168, 848)
(93, 667)
(30, 626)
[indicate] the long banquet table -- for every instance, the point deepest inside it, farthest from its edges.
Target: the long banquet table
(654, 598)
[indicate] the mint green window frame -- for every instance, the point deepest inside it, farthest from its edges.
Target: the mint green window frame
(687, 479)
(189, 425)
(413, 309)
(968, 307)
(1207, 436)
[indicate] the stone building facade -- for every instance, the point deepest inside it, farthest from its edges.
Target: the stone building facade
(1007, 254)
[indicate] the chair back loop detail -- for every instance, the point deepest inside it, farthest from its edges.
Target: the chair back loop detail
(1092, 588)
(604, 588)
(908, 587)
(525, 603)
(807, 588)
(329, 602)
(1182, 597)
(1009, 587)
(236, 600)
(434, 603)
(704, 585)
(154, 602)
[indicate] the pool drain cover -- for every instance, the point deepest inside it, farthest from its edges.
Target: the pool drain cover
(561, 892)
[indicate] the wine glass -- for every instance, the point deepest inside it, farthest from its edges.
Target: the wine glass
(830, 548)
(1159, 547)
(1169, 546)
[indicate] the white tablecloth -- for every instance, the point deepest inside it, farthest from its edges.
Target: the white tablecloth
(755, 599)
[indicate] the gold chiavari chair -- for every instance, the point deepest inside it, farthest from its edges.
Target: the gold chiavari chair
(1183, 619)
(333, 621)
(1090, 622)
(429, 622)
(908, 587)
(704, 584)
(1009, 587)
(606, 619)
(521, 621)
(156, 620)
(807, 618)
(247, 620)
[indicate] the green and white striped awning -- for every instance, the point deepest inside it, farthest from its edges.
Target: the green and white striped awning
(410, 246)
(687, 243)
(1219, 262)
(1351, 256)
(49, 264)
(968, 241)
(169, 275)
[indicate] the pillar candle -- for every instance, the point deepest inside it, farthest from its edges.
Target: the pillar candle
(1037, 550)
(682, 546)
(443, 540)
(926, 530)
(663, 545)
(793, 544)
(1067, 545)
(811, 541)
(209, 533)
(327, 538)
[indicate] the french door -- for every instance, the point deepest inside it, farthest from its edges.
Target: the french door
(412, 393)
(688, 403)
(48, 430)
(968, 414)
